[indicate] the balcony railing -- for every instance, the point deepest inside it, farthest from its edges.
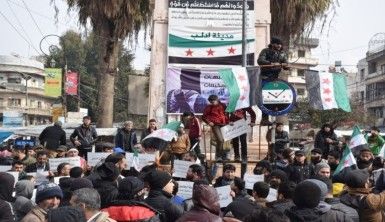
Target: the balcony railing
(28, 110)
(304, 60)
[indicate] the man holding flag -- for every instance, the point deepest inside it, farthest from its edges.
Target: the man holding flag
(375, 141)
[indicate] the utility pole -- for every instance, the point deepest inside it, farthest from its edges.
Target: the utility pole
(244, 37)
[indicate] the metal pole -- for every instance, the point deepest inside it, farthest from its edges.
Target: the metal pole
(64, 92)
(273, 128)
(244, 37)
(26, 100)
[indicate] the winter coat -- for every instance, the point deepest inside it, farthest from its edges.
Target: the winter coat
(181, 145)
(349, 211)
(375, 143)
(281, 139)
(6, 214)
(126, 139)
(221, 181)
(330, 214)
(32, 168)
(126, 210)
(281, 205)
(268, 56)
(23, 203)
(320, 141)
(85, 135)
(370, 207)
(323, 213)
(37, 214)
(108, 191)
(241, 114)
(6, 200)
(102, 217)
(206, 206)
(194, 128)
(297, 173)
(52, 137)
(161, 201)
(241, 206)
(215, 114)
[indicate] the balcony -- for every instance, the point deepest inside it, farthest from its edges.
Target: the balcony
(307, 42)
(18, 88)
(29, 111)
(303, 61)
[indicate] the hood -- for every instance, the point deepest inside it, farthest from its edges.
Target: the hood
(303, 215)
(351, 200)
(206, 197)
(6, 186)
(24, 188)
(323, 207)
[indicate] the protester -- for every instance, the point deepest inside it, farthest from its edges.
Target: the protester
(106, 147)
(263, 167)
(40, 165)
(20, 153)
(242, 139)
(365, 159)
(285, 197)
(160, 194)
(333, 160)
(52, 137)
(206, 205)
(126, 137)
(242, 203)
(84, 137)
(181, 144)
(281, 139)
(358, 196)
(151, 128)
(195, 172)
(23, 194)
(63, 170)
(48, 197)
(227, 177)
(129, 205)
(276, 178)
(299, 170)
(260, 192)
(322, 169)
(316, 156)
(324, 139)
(214, 115)
(61, 151)
(73, 152)
(66, 214)
(7, 182)
(17, 166)
(192, 124)
(106, 182)
(375, 140)
(284, 161)
(76, 172)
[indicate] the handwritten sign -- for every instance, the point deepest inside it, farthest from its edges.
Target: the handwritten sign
(238, 128)
(224, 195)
(273, 193)
(5, 168)
(185, 189)
(40, 177)
(94, 158)
(54, 163)
(144, 159)
(181, 168)
(251, 179)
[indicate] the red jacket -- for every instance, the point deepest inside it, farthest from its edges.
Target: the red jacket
(215, 114)
(241, 114)
(195, 130)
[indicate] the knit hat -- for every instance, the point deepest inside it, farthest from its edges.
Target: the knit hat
(158, 179)
(79, 183)
(130, 186)
(357, 178)
(316, 150)
(279, 174)
(307, 195)
(322, 186)
(48, 190)
(66, 214)
(276, 40)
(62, 148)
(108, 171)
(320, 166)
(300, 152)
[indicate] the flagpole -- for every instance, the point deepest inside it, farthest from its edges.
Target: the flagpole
(244, 40)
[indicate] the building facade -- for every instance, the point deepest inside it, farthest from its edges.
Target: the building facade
(300, 59)
(22, 90)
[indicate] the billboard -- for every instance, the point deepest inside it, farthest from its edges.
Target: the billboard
(12, 119)
(209, 32)
(53, 82)
(71, 83)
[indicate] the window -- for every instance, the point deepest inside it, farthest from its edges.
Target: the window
(362, 74)
(300, 72)
(383, 69)
(301, 53)
(1, 102)
(362, 96)
(300, 92)
(14, 102)
(39, 105)
(14, 80)
(372, 67)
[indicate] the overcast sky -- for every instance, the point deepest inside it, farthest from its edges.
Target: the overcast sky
(346, 39)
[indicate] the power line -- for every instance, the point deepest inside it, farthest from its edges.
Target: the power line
(33, 19)
(10, 23)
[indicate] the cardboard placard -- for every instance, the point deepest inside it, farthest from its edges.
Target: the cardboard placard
(273, 193)
(238, 128)
(94, 158)
(40, 177)
(5, 168)
(144, 159)
(185, 189)
(251, 179)
(224, 195)
(181, 168)
(54, 163)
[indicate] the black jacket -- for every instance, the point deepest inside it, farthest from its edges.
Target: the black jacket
(161, 201)
(268, 56)
(298, 173)
(6, 200)
(241, 206)
(320, 141)
(126, 139)
(108, 191)
(281, 139)
(281, 205)
(52, 137)
(86, 135)
(349, 211)
(32, 168)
